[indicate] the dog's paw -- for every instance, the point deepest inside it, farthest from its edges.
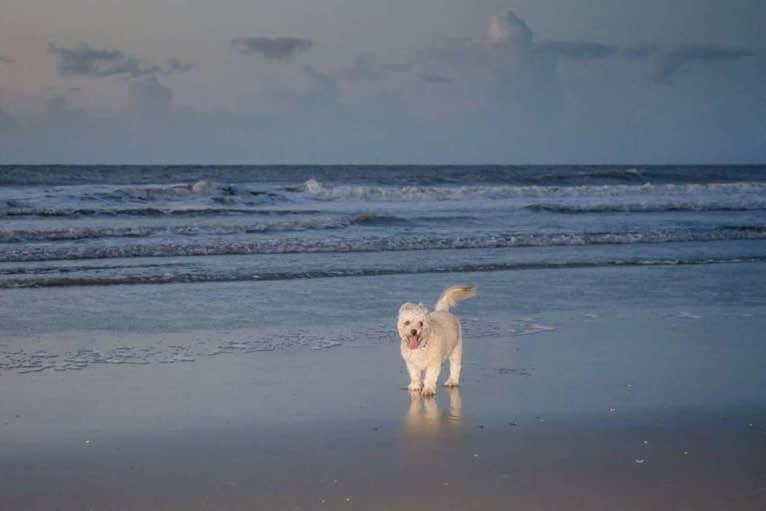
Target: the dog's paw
(429, 392)
(451, 383)
(414, 387)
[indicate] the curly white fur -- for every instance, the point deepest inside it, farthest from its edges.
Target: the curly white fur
(430, 338)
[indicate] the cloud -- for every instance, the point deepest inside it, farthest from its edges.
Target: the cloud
(459, 53)
(435, 78)
(364, 67)
(84, 60)
(510, 42)
(667, 63)
(321, 84)
(639, 51)
(577, 50)
(367, 67)
(58, 108)
(87, 61)
(509, 29)
(274, 48)
(150, 96)
(179, 66)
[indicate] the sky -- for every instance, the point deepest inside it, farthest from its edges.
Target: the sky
(372, 82)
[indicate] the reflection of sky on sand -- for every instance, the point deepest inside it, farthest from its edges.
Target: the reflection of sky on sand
(424, 419)
(540, 421)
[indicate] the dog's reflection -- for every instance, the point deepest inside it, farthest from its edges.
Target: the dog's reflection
(425, 420)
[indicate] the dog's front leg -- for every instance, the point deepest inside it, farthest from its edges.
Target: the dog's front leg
(414, 378)
(429, 382)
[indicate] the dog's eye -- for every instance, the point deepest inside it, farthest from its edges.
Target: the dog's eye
(406, 323)
(421, 323)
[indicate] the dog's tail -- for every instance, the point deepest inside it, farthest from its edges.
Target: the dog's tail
(454, 294)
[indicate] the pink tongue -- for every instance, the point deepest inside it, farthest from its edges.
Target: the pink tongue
(412, 341)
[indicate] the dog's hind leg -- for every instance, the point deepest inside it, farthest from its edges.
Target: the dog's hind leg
(455, 364)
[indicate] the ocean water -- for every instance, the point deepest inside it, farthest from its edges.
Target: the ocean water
(120, 225)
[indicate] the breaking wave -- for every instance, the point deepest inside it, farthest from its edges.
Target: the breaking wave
(130, 175)
(328, 191)
(219, 229)
(149, 212)
(297, 245)
(669, 207)
(234, 276)
(200, 198)
(164, 191)
(592, 198)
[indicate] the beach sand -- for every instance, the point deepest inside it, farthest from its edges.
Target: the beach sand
(638, 388)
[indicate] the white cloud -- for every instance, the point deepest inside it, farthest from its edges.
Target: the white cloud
(509, 29)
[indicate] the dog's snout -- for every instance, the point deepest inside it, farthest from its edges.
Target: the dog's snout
(414, 332)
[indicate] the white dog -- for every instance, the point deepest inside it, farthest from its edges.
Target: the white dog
(430, 338)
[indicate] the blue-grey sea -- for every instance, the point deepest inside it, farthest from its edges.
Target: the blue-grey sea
(119, 225)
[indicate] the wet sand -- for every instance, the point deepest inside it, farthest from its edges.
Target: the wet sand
(608, 407)
(309, 430)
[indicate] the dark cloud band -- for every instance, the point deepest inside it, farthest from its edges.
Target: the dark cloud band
(275, 48)
(84, 60)
(577, 50)
(667, 63)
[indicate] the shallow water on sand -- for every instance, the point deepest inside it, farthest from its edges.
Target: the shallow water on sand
(596, 388)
